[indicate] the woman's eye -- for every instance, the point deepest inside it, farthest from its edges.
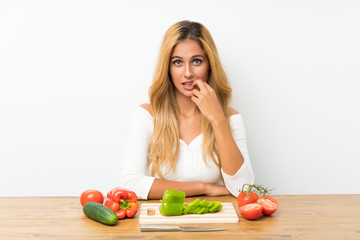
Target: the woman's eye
(197, 61)
(177, 62)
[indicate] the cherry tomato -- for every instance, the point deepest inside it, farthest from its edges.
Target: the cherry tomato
(251, 211)
(91, 196)
(269, 204)
(243, 200)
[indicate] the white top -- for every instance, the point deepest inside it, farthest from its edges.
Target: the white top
(190, 166)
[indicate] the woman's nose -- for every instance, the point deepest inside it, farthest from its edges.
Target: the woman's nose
(188, 71)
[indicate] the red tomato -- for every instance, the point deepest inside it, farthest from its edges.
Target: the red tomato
(269, 204)
(251, 211)
(243, 200)
(91, 196)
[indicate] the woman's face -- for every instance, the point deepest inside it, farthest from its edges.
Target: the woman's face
(188, 62)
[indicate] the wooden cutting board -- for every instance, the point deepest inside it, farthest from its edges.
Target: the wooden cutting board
(226, 215)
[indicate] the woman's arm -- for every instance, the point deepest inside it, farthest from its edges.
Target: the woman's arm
(190, 188)
(133, 158)
(230, 156)
(230, 141)
(245, 174)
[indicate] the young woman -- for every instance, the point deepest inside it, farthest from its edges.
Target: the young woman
(188, 138)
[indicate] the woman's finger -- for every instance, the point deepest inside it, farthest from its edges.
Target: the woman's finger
(196, 92)
(200, 85)
(195, 99)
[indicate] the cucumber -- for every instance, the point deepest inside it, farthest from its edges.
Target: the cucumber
(100, 213)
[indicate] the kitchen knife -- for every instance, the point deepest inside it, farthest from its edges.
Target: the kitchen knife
(170, 228)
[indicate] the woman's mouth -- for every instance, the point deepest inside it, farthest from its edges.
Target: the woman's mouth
(188, 86)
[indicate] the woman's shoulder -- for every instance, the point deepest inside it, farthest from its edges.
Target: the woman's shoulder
(233, 111)
(147, 107)
(236, 119)
(141, 116)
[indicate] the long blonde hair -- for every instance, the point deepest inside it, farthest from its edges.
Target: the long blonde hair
(163, 148)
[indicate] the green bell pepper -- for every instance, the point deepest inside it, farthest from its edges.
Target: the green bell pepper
(201, 207)
(172, 203)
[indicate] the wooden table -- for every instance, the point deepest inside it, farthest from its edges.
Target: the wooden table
(299, 216)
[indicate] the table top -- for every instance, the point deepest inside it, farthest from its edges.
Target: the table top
(299, 216)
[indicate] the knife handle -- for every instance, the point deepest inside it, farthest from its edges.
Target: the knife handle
(159, 228)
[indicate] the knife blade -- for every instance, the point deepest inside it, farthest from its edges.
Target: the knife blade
(170, 228)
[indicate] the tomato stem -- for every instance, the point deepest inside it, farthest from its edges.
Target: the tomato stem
(262, 190)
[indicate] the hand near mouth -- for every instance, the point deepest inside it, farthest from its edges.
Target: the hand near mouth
(206, 100)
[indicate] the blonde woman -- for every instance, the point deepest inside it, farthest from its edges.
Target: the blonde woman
(188, 138)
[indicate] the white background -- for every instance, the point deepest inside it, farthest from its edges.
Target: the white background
(72, 71)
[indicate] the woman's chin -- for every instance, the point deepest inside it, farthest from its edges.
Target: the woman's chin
(186, 94)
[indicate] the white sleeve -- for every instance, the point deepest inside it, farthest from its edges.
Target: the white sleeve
(245, 174)
(133, 160)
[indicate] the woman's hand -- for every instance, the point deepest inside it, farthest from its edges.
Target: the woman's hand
(206, 100)
(214, 190)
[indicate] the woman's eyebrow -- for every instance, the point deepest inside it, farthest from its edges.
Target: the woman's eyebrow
(199, 55)
(195, 56)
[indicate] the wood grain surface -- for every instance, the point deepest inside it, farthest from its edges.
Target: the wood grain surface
(298, 217)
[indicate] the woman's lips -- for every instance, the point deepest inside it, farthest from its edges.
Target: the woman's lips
(188, 86)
